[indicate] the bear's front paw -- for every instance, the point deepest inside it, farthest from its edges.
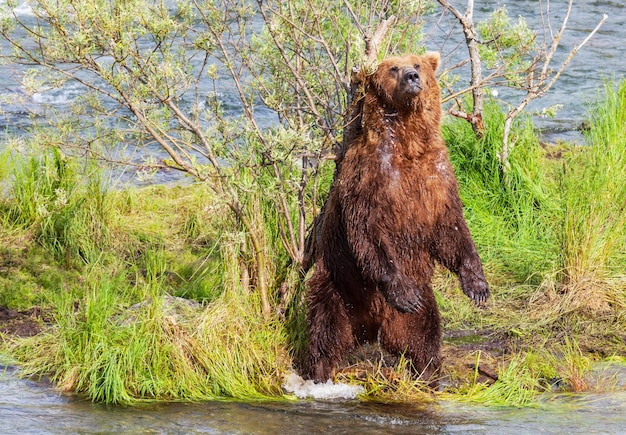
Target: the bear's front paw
(476, 289)
(401, 293)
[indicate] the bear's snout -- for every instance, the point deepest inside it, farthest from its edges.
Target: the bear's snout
(411, 82)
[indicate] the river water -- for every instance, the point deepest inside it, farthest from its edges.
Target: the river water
(28, 407)
(600, 59)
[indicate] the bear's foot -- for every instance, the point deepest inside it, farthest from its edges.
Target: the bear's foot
(318, 372)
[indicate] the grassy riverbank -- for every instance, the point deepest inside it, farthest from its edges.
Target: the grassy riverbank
(89, 270)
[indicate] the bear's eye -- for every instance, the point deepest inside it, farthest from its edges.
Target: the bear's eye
(394, 69)
(416, 66)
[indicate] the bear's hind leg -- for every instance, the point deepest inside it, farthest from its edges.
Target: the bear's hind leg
(417, 336)
(330, 331)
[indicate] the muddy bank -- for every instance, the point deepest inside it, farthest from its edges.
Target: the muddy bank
(21, 323)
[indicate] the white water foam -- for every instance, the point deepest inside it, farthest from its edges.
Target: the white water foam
(66, 94)
(329, 390)
(22, 10)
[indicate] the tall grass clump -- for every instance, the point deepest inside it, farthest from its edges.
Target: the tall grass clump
(5, 156)
(594, 239)
(162, 348)
(509, 210)
(125, 338)
(63, 202)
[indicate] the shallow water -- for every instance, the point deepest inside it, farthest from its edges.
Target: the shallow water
(28, 407)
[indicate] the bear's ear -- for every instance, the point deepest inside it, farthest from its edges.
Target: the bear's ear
(433, 58)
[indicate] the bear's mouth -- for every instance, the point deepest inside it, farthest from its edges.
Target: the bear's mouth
(412, 89)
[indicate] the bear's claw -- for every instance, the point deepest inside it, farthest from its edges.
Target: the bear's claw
(477, 290)
(401, 294)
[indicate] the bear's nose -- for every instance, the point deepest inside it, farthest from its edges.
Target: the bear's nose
(411, 75)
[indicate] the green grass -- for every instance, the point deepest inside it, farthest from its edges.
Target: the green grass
(595, 201)
(530, 375)
(510, 213)
(158, 350)
(105, 264)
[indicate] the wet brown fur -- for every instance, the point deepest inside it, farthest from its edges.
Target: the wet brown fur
(394, 209)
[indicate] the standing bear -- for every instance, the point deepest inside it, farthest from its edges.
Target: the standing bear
(393, 210)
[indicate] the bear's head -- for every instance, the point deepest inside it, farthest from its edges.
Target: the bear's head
(407, 83)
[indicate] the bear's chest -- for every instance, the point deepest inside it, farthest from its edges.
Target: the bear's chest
(404, 191)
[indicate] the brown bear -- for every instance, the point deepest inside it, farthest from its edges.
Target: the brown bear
(393, 210)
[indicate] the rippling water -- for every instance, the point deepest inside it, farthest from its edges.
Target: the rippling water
(28, 407)
(602, 58)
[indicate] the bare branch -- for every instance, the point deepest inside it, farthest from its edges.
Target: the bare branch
(542, 86)
(467, 23)
(372, 44)
(574, 51)
(556, 40)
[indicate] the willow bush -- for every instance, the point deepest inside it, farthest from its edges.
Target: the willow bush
(233, 93)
